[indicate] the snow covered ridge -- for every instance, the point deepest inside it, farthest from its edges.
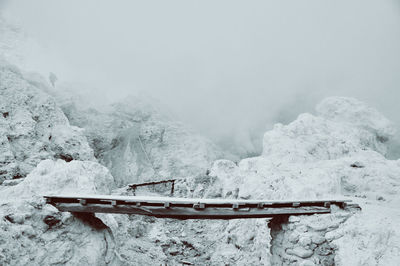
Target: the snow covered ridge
(315, 156)
(33, 127)
(139, 142)
(342, 127)
(338, 152)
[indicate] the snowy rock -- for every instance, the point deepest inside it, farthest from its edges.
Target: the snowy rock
(138, 142)
(343, 127)
(307, 263)
(60, 177)
(317, 239)
(12, 182)
(33, 127)
(300, 252)
(35, 233)
(312, 245)
(339, 152)
(305, 241)
(69, 143)
(356, 113)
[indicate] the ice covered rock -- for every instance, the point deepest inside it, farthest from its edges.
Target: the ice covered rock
(342, 127)
(339, 152)
(306, 239)
(60, 177)
(138, 142)
(263, 178)
(33, 127)
(315, 157)
(35, 233)
(356, 113)
(363, 172)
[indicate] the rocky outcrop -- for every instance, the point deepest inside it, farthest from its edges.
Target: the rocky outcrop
(342, 127)
(363, 174)
(339, 152)
(33, 127)
(60, 177)
(139, 142)
(35, 233)
(306, 240)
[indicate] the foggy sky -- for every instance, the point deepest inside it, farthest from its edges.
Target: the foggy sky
(223, 66)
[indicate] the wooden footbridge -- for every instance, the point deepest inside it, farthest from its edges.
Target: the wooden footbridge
(182, 208)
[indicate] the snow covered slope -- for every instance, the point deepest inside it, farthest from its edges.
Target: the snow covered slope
(138, 141)
(33, 127)
(340, 151)
(35, 233)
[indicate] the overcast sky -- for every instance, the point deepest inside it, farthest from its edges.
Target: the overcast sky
(223, 66)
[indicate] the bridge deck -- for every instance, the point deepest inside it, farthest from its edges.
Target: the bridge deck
(181, 208)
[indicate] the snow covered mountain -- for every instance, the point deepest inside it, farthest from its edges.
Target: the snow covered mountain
(51, 144)
(33, 127)
(139, 142)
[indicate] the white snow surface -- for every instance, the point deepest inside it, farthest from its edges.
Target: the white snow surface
(181, 200)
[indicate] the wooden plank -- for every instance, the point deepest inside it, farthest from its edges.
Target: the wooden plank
(191, 213)
(172, 181)
(191, 201)
(152, 183)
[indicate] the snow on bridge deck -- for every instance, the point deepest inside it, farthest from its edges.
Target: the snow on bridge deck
(184, 208)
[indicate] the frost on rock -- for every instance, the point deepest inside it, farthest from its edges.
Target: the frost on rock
(342, 127)
(363, 174)
(33, 127)
(339, 152)
(356, 113)
(59, 177)
(138, 142)
(341, 238)
(35, 233)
